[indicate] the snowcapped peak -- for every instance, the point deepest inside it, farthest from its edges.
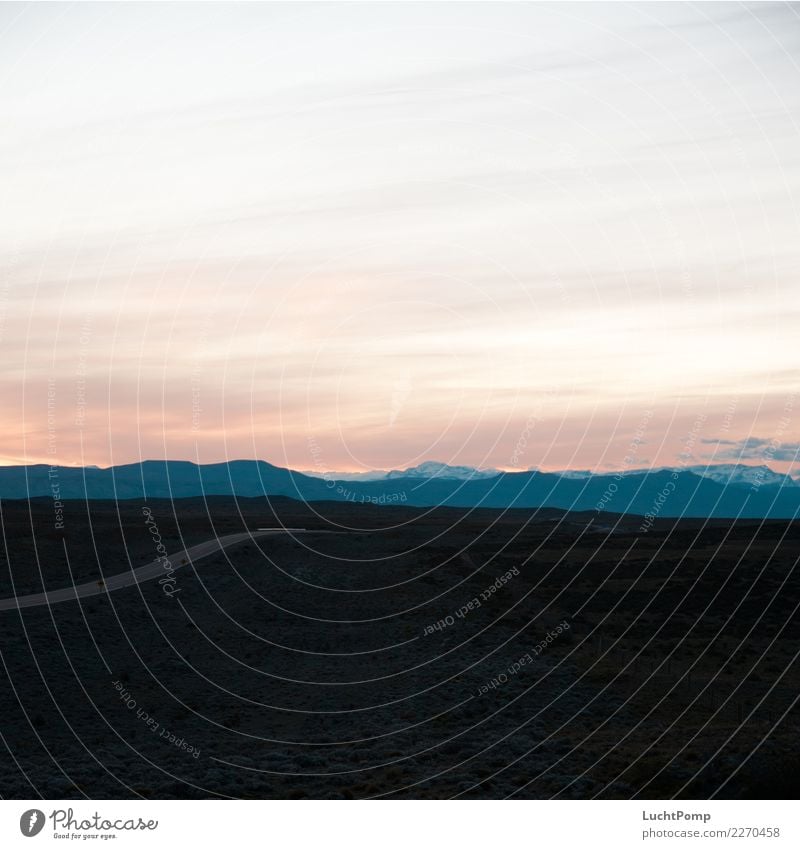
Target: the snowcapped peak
(433, 469)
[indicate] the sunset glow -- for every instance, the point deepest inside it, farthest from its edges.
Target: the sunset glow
(412, 236)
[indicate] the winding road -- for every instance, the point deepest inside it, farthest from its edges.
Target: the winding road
(140, 575)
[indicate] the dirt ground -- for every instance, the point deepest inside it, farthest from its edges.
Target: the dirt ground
(408, 654)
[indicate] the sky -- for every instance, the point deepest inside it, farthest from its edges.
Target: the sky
(353, 236)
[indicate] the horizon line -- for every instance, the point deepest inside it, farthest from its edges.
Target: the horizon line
(321, 473)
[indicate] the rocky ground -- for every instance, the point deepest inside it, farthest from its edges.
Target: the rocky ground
(410, 654)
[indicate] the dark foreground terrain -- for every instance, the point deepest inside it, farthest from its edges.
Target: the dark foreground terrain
(412, 653)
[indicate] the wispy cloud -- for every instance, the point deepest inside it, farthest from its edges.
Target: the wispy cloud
(754, 448)
(395, 226)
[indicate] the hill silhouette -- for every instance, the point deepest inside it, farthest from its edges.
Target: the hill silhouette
(662, 493)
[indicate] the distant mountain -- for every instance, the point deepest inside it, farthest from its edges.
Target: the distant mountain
(572, 474)
(429, 469)
(432, 469)
(739, 474)
(729, 474)
(662, 493)
(372, 475)
(158, 479)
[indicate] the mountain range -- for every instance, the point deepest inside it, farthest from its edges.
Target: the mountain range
(724, 473)
(429, 469)
(724, 493)
(736, 474)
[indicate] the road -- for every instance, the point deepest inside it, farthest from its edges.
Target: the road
(140, 575)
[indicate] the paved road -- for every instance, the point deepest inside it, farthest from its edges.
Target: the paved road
(148, 572)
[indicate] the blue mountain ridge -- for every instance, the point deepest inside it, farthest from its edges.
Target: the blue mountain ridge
(663, 493)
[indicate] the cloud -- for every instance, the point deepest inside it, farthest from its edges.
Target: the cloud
(395, 226)
(754, 448)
